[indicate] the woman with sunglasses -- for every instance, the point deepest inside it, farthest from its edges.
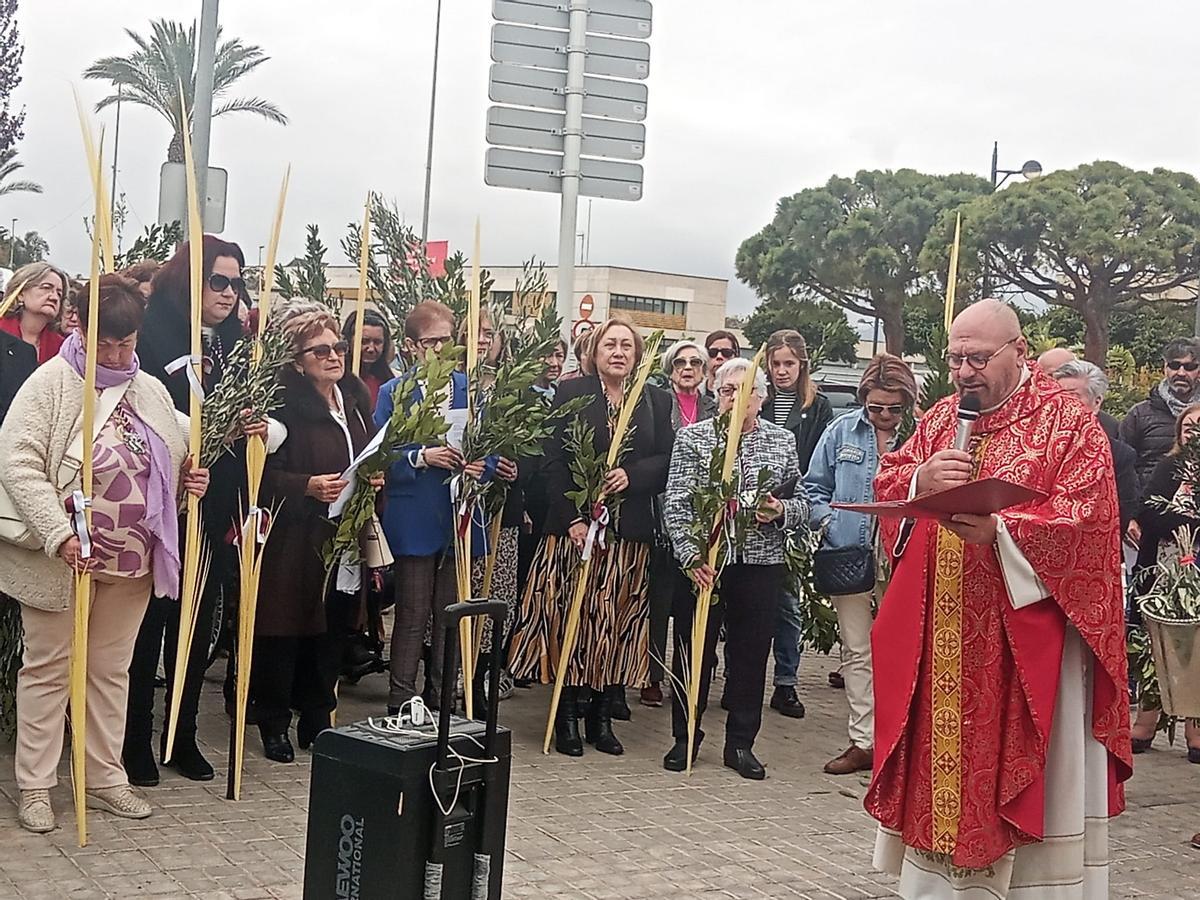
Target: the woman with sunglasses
(720, 347)
(165, 339)
(794, 403)
(686, 364)
(842, 470)
(33, 314)
(300, 629)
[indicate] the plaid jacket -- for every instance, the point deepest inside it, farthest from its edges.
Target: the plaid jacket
(766, 447)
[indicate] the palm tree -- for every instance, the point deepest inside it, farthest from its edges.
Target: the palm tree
(151, 75)
(9, 167)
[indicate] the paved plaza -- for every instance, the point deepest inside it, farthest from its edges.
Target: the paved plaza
(596, 827)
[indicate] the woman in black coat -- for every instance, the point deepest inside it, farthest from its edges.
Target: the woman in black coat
(612, 645)
(303, 608)
(164, 338)
(1158, 544)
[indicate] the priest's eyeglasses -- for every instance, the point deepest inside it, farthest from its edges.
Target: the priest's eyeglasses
(976, 361)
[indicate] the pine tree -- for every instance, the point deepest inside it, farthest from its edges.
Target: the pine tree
(11, 52)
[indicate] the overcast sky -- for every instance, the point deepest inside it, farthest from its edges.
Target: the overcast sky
(749, 101)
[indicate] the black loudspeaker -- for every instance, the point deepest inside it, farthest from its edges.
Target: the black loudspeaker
(417, 813)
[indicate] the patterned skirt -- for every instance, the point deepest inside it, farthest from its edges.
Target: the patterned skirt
(612, 646)
(504, 582)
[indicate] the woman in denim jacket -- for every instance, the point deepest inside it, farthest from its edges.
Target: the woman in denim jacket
(842, 470)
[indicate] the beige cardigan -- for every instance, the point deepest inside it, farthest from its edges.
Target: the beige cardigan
(40, 426)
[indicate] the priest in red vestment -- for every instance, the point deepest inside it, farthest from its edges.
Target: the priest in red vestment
(1002, 713)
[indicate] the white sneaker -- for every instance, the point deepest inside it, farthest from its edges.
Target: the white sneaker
(507, 687)
(121, 801)
(35, 812)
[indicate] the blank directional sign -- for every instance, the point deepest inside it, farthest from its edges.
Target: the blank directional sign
(623, 18)
(547, 90)
(546, 49)
(539, 130)
(528, 171)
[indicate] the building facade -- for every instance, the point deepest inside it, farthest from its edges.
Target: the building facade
(678, 305)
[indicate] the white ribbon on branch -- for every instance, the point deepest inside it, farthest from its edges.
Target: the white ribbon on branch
(191, 365)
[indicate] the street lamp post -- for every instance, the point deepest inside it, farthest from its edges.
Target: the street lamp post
(1030, 170)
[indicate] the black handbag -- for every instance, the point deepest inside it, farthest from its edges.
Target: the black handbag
(838, 571)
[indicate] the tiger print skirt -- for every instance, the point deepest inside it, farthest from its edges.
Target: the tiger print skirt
(612, 646)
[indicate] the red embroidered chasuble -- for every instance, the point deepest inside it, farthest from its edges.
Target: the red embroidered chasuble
(965, 685)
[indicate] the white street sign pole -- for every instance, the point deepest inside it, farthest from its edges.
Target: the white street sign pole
(206, 51)
(572, 139)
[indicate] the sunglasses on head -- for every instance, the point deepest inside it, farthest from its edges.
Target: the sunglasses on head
(687, 362)
(219, 283)
(722, 352)
(1176, 364)
(895, 409)
(323, 351)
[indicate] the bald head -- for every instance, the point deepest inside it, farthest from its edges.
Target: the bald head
(986, 320)
(1053, 360)
(986, 352)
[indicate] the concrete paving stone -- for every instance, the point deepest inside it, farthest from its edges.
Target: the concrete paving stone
(598, 827)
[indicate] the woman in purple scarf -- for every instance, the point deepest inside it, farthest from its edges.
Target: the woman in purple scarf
(141, 470)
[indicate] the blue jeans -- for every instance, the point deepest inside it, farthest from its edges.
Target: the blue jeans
(787, 641)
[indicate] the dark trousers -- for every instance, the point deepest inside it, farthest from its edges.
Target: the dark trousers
(159, 636)
(425, 585)
(748, 607)
(300, 673)
(666, 580)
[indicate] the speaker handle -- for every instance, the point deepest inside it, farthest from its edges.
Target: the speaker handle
(496, 610)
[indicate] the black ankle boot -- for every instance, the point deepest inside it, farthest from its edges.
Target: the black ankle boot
(138, 760)
(620, 704)
(598, 724)
(566, 724)
(187, 760)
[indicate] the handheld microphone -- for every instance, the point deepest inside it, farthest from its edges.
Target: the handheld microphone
(968, 412)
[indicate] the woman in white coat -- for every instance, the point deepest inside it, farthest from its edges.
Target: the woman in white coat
(141, 469)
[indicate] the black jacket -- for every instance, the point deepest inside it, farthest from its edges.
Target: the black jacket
(165, 336)
(17, 362)
(646, 464)
(1149, 428)
(806, 423)
(1159, 524)
(1129, 485)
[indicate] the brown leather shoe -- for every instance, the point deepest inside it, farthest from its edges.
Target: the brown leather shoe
(652, 695)
(854, 759)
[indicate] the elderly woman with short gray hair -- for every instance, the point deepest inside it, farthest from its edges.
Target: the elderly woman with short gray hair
(1088, 382)
(686, 365)
(751, 580)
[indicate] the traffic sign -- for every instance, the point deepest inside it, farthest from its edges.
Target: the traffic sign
(546, 49)
(624, 18)
(587, 306)
(172, 196)
(507, 126)
(580, 327)
(545, 89)
(544, 172)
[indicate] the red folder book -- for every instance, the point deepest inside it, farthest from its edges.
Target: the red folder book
(980, 498)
